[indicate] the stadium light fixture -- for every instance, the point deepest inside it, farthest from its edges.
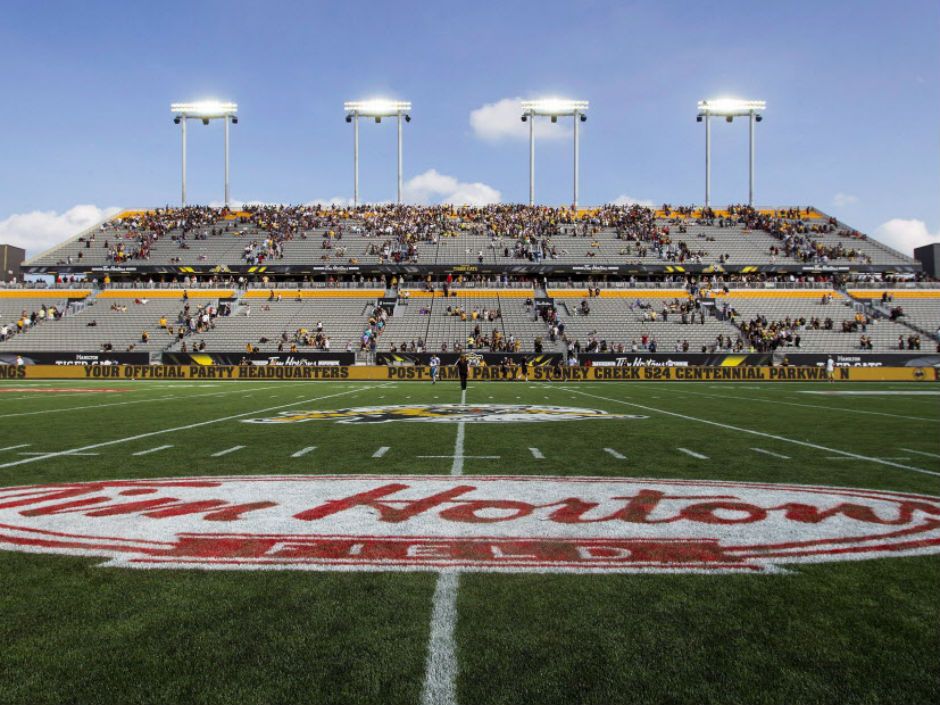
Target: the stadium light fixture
(553, 108)
(205, 111)
(730, 108)
(376, 108)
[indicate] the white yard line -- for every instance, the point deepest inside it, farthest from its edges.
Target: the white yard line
(693, 453)
(457, 467)
(920, 452)
(809, 406)
(618, 456)
(537, 454)
(303, 451)
(440, 680)
(125, 403)
(226, 451)
(152, 450)
(739, 429)
(21, 445)
(441, 677)
(380, 452)
(42, 452)
(174, 429)
(883, 457)
(771, 453)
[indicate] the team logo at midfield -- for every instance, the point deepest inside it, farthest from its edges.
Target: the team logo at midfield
(473, 523)
(446, 413)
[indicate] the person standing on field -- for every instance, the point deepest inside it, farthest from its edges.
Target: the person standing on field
(830, 369)
(463, 370)
(435, 363)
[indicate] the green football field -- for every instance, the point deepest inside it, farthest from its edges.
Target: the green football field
(820, 631)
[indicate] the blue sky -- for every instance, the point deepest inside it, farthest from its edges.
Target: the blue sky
(852, 90)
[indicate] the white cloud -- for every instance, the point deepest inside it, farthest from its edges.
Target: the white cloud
(39, 230)
(625, 200)
(434, 187)
(905, 235)
(502, 120)
(841, 200)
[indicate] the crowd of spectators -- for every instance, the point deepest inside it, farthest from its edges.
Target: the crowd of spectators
(395, 234)
(28, 320)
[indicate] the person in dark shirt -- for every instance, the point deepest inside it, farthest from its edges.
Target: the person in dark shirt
(463, 369)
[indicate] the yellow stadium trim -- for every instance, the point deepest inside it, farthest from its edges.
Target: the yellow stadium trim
(166, 294)
(473, 293)
(204, 360)
(289, 294)
(776, 294)
(620, 293)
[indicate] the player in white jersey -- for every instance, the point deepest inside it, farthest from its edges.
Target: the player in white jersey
(435, 364)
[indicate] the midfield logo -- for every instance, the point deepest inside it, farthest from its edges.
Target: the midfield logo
(446, 413)
(489, 523)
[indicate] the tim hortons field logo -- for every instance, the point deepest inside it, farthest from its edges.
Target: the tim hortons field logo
(491, 523)
(446, 413)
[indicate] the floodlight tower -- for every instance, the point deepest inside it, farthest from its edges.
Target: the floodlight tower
(205, 110)
(553, 108)
(375, 109)
(730, 108)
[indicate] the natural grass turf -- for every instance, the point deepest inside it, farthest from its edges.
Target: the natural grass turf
(863, 632)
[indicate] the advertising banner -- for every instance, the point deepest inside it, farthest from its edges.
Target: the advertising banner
(496, 373)
(298, 359)
(76, 358)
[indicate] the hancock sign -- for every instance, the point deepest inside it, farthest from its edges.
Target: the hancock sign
(493, 523)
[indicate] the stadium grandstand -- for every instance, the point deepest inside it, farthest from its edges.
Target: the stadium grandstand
(391, 284)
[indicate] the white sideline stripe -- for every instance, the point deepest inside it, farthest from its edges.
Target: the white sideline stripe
(440, 678)
(693, 453)
(226, 451)
(536, 453)
(809, 406)
(729, 427)
(380, 452)
(124, 403)
(618, 456)
(906, 450)
(21, 445)
(771, 453)
(151, 450)
(174, 429)
(42, 452)
(303, 451)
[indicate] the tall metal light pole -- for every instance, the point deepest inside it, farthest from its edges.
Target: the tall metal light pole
(730, 108)
(205, 111)
(531, 160)
(183, 131)
(554, 108)
(376, 109)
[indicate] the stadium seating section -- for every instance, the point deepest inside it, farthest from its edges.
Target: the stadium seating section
(310, 236)
(161, 308)
(267, 318)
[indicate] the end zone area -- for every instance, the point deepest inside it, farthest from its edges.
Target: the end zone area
(833, 631)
